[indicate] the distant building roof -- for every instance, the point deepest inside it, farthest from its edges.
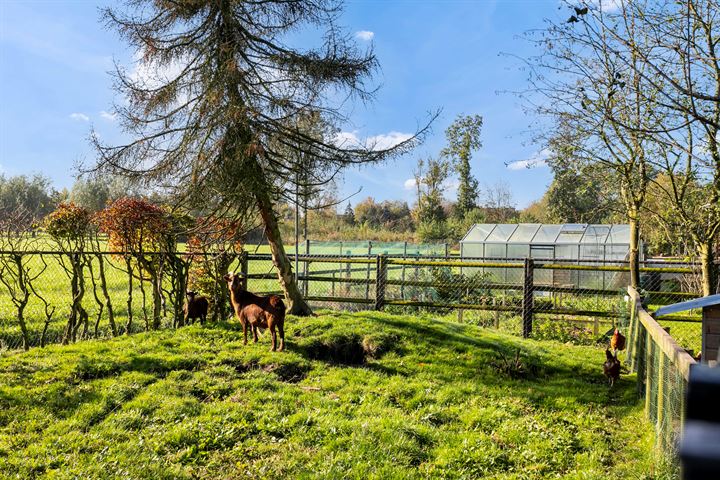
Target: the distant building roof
(689, 305)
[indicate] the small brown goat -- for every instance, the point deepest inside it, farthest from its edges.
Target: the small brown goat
(195, 307)
(265, 312)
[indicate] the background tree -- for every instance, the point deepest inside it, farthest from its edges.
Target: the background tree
(430, 177)
(91, 193)
(349, 215)
(210, 132)
(33, 195)
(579, 191)
(463, 138)
(498, 203)
(594, 89)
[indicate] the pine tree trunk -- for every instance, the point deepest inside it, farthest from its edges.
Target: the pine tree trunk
(297, 305)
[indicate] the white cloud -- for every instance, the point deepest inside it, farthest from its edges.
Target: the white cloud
(609, 5)
(409, 184)
(365, 35)
(80, 116)
(107, 115)
(536, 160)
(376, 142)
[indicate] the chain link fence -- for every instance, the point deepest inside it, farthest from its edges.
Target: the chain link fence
(663, 368)
(554, 300)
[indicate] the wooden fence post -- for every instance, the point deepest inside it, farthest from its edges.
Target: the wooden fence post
(244, 269)
(380, 278)
(527, 301)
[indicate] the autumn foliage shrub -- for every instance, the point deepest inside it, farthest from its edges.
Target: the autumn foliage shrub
(213, 248)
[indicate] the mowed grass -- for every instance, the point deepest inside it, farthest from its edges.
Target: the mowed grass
(365, 395)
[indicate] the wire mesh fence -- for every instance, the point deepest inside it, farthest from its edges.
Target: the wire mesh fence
(663, 368)
(544, 299)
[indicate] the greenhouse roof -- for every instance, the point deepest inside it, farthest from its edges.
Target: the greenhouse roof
(548, 234)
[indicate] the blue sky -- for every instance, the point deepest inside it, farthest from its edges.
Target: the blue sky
(54, 86)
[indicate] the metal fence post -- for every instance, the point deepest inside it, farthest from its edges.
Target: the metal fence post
(402, 275)
(306, 267)
(367, 272)
(527, 302)
(380, 277)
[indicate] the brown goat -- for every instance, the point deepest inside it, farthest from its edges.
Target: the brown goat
(195, 307)
(265, 312)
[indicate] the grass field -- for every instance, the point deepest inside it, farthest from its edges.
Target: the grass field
(365, 395)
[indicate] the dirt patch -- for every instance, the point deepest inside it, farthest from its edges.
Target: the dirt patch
(288, 372)
(351, 349)
(240, 366)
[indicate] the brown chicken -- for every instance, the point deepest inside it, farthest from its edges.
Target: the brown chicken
(611, 367)
(617, 342)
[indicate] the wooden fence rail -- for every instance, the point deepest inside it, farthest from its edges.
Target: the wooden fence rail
(528, 296)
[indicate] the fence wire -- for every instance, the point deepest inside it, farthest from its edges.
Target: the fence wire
(662, 367)
(563, 301)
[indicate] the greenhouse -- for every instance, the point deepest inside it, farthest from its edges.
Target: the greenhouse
(582, 243)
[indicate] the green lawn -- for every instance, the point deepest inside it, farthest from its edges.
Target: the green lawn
(365, 395)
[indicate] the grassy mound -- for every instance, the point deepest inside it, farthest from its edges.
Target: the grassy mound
(354, 396)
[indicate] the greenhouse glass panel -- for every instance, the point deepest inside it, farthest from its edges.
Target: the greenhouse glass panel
(571, 233)
(617, 253)
(592, 252)
(495, 250)
(544, 252)
(524, 233)
(473, 250)
(547, 234)
(566, 252)
(479, 232)
(619, 234)
(518, 251)
(596, 234)
(501, 233)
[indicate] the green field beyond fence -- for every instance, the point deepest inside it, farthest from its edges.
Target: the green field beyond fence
(533, 298)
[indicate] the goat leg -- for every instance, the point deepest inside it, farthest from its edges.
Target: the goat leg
(274, 337)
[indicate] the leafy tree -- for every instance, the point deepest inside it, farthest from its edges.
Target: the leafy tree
(209, 126)
(33, 195)
(90, 193)
(70, 227)
(430, 177)
(349, 215)
(578, 193)
(215, 244)
(392, 215)
(498, 203)
(596, 91)
(463, 138)
(141, 232)
(536, 212)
